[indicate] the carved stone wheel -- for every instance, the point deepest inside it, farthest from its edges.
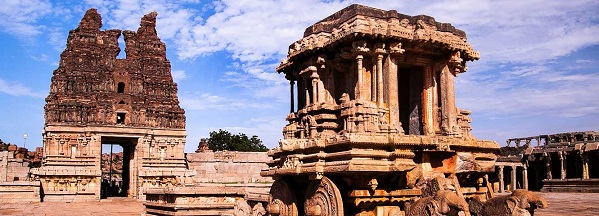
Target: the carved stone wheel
(323, 198)
(282, 201)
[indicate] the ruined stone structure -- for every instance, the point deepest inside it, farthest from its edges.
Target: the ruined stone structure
(375, 117)
(16, 182)
(227, 183)
(564, 162)
(97, 99)
(228, 166)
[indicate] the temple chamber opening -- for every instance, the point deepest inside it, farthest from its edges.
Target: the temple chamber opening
(409, 97)
(116, 165)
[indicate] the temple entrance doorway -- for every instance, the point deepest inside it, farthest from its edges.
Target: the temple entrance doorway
(409, 80)
(118, 154)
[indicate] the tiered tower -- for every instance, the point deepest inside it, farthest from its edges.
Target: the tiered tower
(98, 99)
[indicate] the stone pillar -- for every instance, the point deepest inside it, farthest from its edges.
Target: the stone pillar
(449, 121)
(292, 106)
(321, 91)
(501, 182)
(514, 180)
(315, 93)
(427, 101)
(308, 101)
(373, 79)
(379, 80)
(548, 165)
(562, 159)
(359, 59)
(392, 92)
(525, 177)
(585, 166)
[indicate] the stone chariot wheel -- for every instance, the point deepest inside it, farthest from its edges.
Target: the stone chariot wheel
(323, 198)
(282, 200)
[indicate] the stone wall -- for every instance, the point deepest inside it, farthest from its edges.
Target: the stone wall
(228, 166)
(11, 168)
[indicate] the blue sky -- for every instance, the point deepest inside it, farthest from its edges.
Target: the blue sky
(538, 73)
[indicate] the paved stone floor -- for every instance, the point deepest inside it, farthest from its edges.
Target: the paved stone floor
(105, 207)
(570, 204)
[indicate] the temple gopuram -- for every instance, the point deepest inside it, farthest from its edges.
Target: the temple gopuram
(97, 99)
(373, 122)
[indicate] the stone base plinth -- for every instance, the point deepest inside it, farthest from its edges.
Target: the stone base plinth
(207, 199)
(20, 192)
(571, 185)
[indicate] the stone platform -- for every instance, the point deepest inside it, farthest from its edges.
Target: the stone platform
(571, 185)
(20, 192)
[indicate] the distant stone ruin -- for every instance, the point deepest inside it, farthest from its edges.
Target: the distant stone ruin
(96, 98)
(562, 162)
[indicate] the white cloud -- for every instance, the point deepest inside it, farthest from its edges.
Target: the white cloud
(530, 90)
(42, 57)
(20, 17)
(18, 89)
(208, 101)
(178, 75)
(126, 14)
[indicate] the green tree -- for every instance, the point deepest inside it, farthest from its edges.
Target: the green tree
(223, 140)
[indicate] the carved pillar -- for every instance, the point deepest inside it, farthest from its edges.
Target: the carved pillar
(392, 92)
(427, 101)
(379, 80)
(585, 166)
(562, 159)
(307, 93)
(449, 124)
(501, 182)
(525, 177)
(315, 91)
(548, 165)
(373, 79)
(321, 91)
(291, 107)
(514, 180)
(359, 59)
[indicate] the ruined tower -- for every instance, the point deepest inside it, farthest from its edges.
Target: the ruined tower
(373, 116)
(96, 98)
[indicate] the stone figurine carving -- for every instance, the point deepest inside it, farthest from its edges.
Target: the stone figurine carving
(520, 202)
(242, 208)
(442, 203)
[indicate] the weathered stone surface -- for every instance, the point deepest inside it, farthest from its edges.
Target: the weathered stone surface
(98, 99)
(91, 86)
(375, 114)
(228, 166)
(20, 192)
